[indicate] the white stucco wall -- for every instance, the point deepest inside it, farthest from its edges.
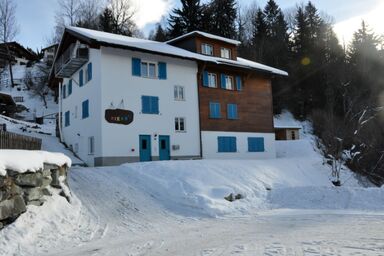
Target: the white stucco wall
(81, 129)
(210, 145)
(118, 84)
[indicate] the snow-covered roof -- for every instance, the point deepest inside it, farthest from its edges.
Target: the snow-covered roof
(204, 34)
(164, 48)
(286, 121)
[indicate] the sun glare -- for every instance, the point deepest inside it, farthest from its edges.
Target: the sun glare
(373, 18)
(150, 11)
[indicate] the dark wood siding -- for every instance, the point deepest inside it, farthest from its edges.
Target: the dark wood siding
(194, 43)
(254, 103)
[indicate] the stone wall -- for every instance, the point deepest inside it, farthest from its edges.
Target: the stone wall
(17, 190)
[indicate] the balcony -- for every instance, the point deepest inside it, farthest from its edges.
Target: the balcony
(73, 58)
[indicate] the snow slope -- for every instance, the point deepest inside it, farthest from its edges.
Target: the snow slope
(46, 132)
(289, 207)
(35, 106)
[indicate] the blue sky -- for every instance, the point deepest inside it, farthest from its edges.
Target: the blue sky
(36, 17)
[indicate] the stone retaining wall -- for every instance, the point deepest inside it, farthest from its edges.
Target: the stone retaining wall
(17, 190)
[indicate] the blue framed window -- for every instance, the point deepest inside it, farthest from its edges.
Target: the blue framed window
(232, 111)
(81, 78)
(149, 105)
(214, 110)
(85, 109)
(226, 144)
(239, 83)
(67, 121)
(70, 87)
(256, 144)
(64, 91)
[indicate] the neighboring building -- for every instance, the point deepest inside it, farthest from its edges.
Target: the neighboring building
(126, 99)
(287, 129)
(49, 53)
(17, 54)
(8, 106)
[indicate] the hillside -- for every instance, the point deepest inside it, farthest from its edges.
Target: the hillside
(33, 102)
(178, 208)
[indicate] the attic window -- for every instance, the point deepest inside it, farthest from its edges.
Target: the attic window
(207, 49)
(225, 53)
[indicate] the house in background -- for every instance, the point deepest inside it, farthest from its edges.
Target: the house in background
(17, 54)
(286, 128)
(125, 99)
(49, 53)
(8, 105)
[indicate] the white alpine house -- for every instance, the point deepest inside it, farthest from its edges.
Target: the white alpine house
(124, 99)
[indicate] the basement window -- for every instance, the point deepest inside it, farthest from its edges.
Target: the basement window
(91, 145)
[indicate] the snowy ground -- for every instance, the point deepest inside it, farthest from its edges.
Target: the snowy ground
(177, 208)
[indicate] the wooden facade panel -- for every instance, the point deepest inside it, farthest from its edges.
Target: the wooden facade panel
(194, 44)
(254, 103)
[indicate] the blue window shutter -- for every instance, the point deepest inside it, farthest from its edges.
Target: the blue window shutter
(218, 111)
(162, 70)
(226, 144)
(67, 118)
(64, 91)
(70, 87)
(233, 147)
(90, 71)
(136, 67)
(260, 144)
(221, 144)
(214, 110)
(85, 109)
(205, 79)
(155, 105)
(81, 76)
(211, 110)
(223, 82)
(232, 111)
(239, 83)
(256, 144)
(145, 104)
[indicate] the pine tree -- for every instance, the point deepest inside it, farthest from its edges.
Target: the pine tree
(259, 39)
(277, 36)
(159, 34)
(186, 19)
(106, 21)
(223, 18)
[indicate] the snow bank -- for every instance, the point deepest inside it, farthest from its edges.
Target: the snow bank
(29, 161)
(199, 187)
(286, 120)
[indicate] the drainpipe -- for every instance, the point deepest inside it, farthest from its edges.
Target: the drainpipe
(60, 109)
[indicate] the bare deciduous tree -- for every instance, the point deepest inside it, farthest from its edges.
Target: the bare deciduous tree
(37, 81)
(89, 12)
(69, 11)
(8, 27)
(123, 13)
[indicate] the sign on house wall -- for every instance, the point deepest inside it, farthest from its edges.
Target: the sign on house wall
(119, 116)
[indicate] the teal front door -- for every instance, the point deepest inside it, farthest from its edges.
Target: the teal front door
(145, 148)
(164, 148)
